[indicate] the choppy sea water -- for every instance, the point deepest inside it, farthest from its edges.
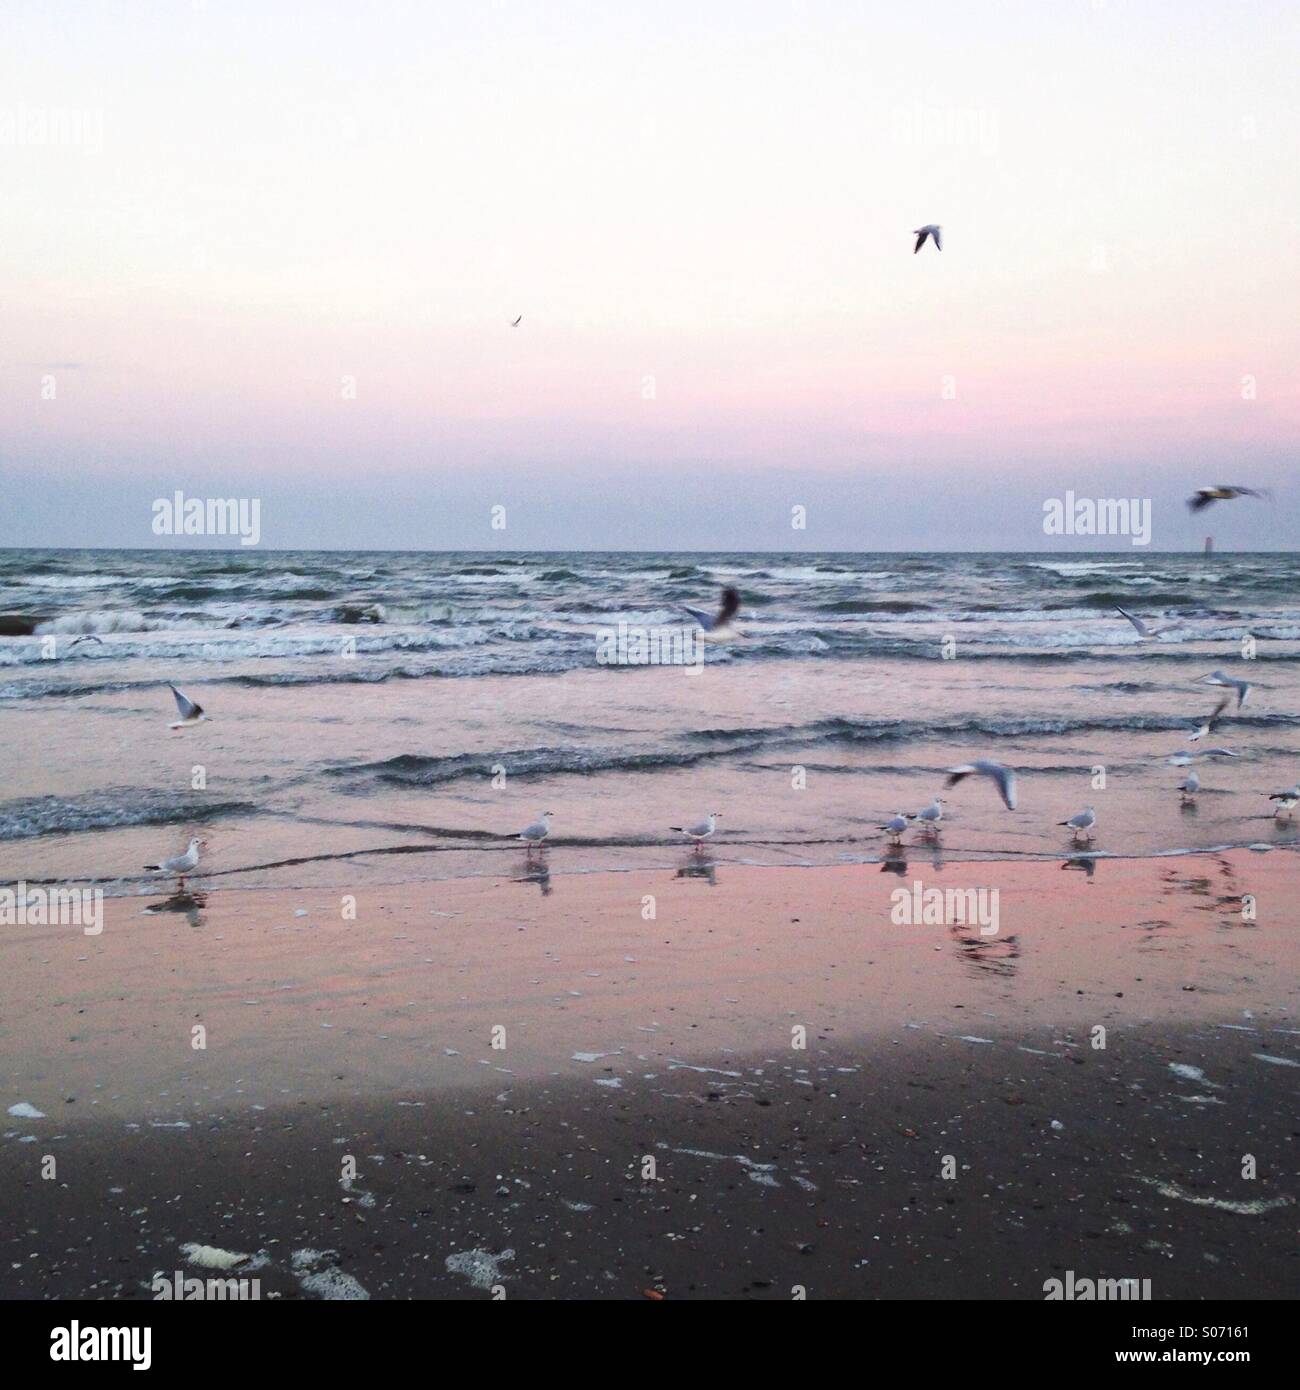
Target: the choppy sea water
(395, 715)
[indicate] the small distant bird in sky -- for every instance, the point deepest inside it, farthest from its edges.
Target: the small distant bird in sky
(1200, 732)
(1221, 492)
(517, 321)
(1286, 800)
(986, 767)
(190, 713)
(930, 229)
(1189, 786)
(1218, 678)
(896, 825)
(1143, 630)
(533, 835)
(701, 832)
(718, 626)
(1082, 823)
(180, 864)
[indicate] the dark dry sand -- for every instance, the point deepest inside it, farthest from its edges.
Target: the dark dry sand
(778, 1168)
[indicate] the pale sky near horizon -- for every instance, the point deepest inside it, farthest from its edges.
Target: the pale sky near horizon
(704, 215)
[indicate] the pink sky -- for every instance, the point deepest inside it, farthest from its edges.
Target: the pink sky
(705, 221)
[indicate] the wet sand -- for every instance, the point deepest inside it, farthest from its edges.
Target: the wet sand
(775, 1166)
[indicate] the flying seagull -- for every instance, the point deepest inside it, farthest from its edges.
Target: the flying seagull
(1221, 492)
(718, 627)
(1183, 759)
(929, 230)
(85, 637)
(1189, 786)
(180, 864)
(1199, 733)
(517, 322)
(986, 767)
(896, 825)
(701, 832)
(1145, 632)
(534, 834)
(1218, 678)
(1286, 800)
(931, 816)
(191, 713)
(1082, 823)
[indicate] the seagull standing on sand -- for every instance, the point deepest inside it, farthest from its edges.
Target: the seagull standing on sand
(1143, 630)
(533, 835)
(896, 825)
(718, 627)
(931, 816)
(930, 229)
(986, 767)
(190, 713)
(701, 832)
(1189, 786)
(1221, 492)
(1218, 678)
(1286, 800)
(180, 864)
(1200, 732)
(1082, 823)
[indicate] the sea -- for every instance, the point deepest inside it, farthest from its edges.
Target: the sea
(399, 716)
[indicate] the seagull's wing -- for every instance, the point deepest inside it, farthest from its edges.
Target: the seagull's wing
(937, 234)
(1139, 626)
(186, 706)
(920, 240)
(730, 605)
(1006, 780)
(1200, 500)
(1218, 711)
(704, 619)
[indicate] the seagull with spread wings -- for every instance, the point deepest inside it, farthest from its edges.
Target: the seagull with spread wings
(932, 230)
(1145, 631)
(190, 713)
(986, 767)
(1221, 492)
(718, 627)
(1201, 730)
(1218, 678)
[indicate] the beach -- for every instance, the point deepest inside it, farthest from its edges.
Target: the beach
(712, 1080)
